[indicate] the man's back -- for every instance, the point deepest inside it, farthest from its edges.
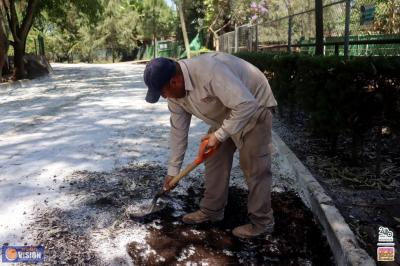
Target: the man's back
(204, 68)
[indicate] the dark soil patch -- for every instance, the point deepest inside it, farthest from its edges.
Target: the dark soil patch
(100, 202)
(297, 240)
(365, 202)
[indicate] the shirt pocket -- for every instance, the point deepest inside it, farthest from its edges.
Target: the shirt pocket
(208, 106)
(208, 99)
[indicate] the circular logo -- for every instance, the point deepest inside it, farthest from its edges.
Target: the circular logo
(11, 254)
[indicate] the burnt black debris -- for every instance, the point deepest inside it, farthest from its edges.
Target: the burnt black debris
(101, 201)
(297, 239)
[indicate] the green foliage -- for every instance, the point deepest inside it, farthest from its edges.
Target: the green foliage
(217, 12)
(58, 11)
(112, 25)
(386, 19)
(68, 29)
(194, 12)
(156, 18)
(117, 29)
(340, 95)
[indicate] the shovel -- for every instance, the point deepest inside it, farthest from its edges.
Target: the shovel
(203, 154)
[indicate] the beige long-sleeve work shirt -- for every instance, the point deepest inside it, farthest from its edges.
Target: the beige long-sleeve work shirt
(224, 91)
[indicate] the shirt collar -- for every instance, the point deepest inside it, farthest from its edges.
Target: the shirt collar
(186, 76)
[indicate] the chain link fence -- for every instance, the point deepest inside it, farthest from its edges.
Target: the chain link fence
(296, 33)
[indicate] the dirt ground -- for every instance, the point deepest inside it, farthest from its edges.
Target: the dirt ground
(365, 202)
(66, 144)
(97, 208)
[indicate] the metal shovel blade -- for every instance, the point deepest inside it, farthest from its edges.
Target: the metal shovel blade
(145, 207)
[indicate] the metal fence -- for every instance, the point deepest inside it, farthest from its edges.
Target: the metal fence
(296, 33)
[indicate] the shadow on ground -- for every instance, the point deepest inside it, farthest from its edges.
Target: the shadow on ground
(98, 202)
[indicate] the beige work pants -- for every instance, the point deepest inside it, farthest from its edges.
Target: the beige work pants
(255, 162)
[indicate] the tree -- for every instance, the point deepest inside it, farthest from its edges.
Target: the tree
(183, 26)
(156, 17)
(108, 27)
(120, 26)
(68, 27)
(217, 17)
(194, 18)
(118, 29)
(21, 16)
(3, 45)
(61, 30)
(19, 27)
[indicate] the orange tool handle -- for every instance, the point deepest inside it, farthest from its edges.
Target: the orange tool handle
(203, 154)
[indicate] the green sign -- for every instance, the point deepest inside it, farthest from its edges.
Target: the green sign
(367, 14)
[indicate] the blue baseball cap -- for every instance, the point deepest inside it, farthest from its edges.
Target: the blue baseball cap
(157, 73)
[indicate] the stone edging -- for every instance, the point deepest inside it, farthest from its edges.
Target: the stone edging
(341, 239)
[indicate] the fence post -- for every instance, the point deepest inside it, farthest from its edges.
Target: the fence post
(289, 46)
(256, 29)
(319, 27)
(347, 29)
(236, 38)
(230, 43)
(249, 38)
(41, 44)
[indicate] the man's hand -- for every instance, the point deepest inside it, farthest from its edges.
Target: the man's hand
(167, 179)
(213, 142)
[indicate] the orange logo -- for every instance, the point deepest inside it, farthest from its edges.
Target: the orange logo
(11, 254)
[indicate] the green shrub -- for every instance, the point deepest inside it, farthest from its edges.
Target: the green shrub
(339, 95)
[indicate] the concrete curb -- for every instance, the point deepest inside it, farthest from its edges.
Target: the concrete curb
(340, 237)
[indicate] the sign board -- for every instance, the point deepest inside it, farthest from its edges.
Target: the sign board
(367, 13)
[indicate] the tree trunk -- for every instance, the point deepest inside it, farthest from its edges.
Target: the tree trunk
(3, 48)
(20, 32)
(19, 66)
(41, 45)
(216, 41)
(112, 54)
(183, 26)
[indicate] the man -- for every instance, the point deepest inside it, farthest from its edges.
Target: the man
(234, 98)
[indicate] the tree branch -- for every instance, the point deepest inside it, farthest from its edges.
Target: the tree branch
(216, 18)
(28, 19)
(12, 19)
(215, 21)
(226, 24)
(6, 11)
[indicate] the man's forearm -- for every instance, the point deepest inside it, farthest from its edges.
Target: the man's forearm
(180, 123)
